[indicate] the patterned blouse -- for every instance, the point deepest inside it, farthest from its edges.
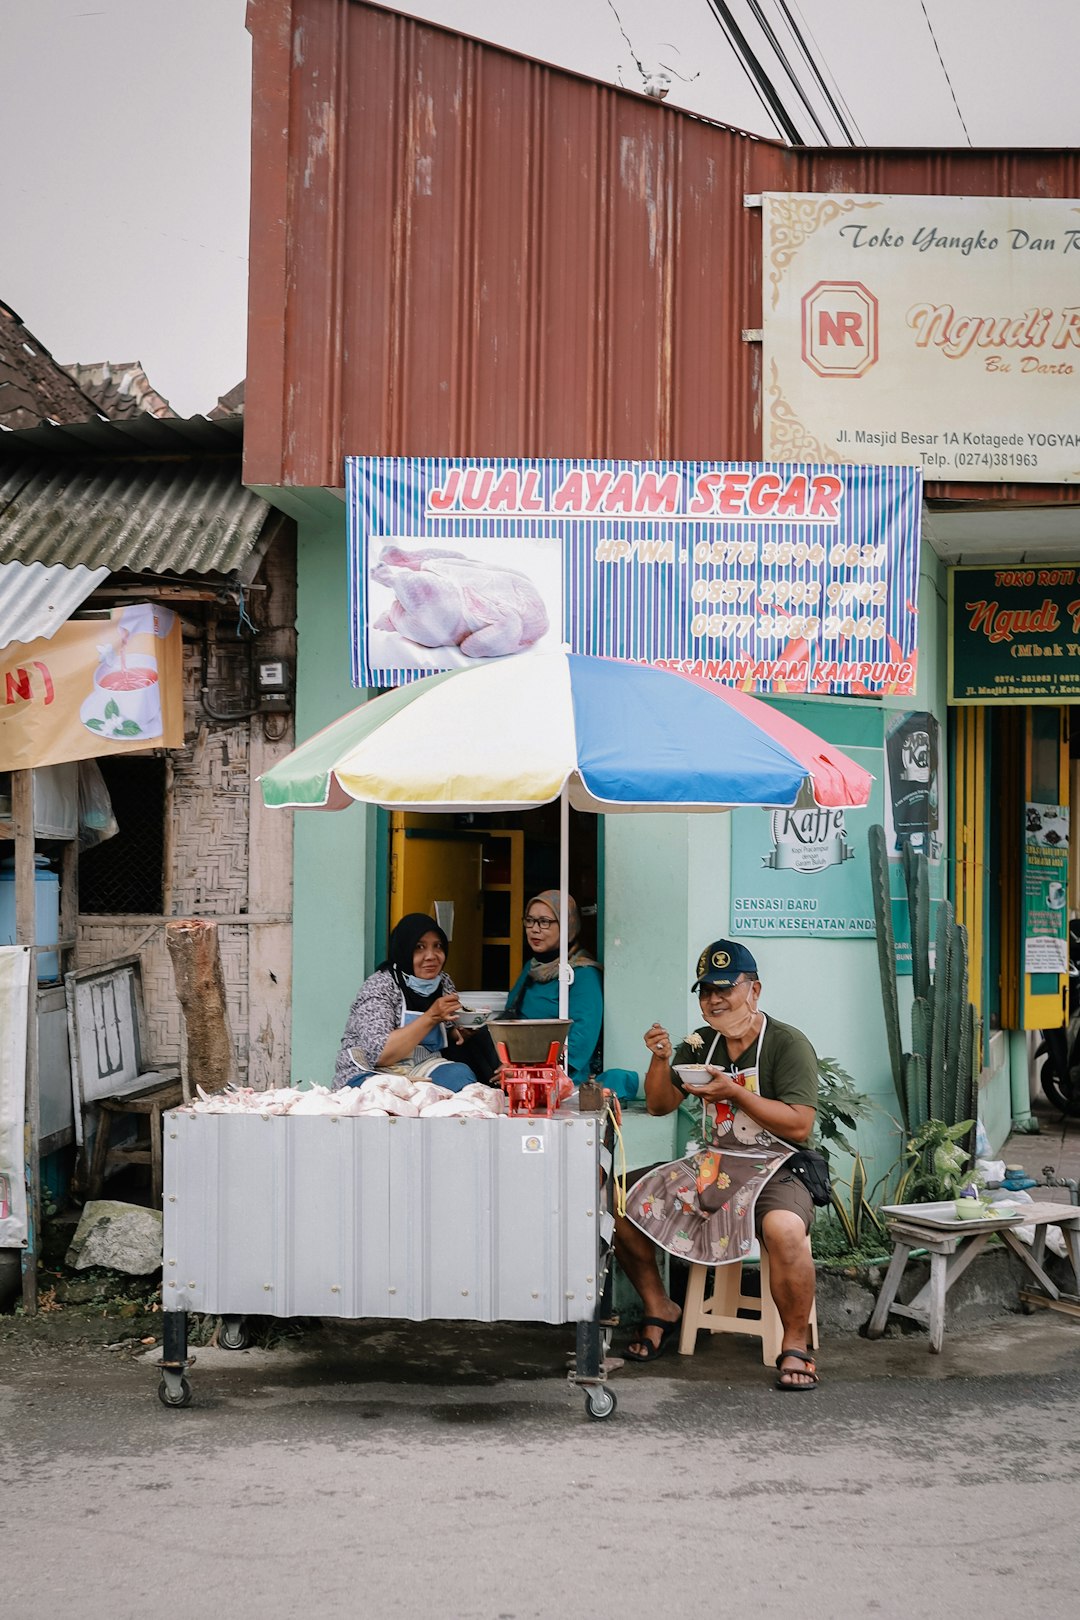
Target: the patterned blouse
(374, 1016)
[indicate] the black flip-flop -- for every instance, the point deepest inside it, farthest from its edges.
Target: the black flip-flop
(808, 1370)
(653, 1352)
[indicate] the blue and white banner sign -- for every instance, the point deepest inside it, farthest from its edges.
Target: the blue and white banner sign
(773, 577)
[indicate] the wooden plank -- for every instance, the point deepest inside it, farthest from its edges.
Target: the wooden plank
(224, 919)
(69, 896)
(1071, 1234)
(1068, 1304)
(22, 811)
(955, 1265)
(269, 943)
(938, 1284)
(916, 1315)
(1032, 1264)
(887, 1295)
(270, 843)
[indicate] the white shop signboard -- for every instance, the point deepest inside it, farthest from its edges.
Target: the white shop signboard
(940, 332)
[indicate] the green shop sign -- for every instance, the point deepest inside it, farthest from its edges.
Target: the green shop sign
(1014, 635)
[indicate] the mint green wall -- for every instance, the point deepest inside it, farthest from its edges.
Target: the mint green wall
(995, 1091)
(334, 909)
(666, 877)
(667, 894)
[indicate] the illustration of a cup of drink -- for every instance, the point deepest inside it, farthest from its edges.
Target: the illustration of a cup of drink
(125, 703)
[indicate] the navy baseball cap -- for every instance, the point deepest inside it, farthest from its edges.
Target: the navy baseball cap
(722, 962)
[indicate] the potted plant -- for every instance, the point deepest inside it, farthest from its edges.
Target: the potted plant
(861, 1238)
(940, 1170)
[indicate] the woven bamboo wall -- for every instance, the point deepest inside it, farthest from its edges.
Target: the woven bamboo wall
(223, 861)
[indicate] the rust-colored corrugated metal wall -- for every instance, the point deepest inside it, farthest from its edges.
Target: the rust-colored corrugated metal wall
(457, 250)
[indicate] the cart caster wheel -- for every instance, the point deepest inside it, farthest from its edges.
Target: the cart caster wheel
(233, 1335)
(600, 1403)
(173, 1397)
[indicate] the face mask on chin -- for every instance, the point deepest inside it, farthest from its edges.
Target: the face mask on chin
(423, 987)
(735, 1022)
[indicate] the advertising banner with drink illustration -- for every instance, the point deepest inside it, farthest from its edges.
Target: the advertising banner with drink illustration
(1046, 874)
(772, 578)
(805, 871)
(943, 332)
(97, 686)
(14, 1004)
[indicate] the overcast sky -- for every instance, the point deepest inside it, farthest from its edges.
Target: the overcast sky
(125, 127)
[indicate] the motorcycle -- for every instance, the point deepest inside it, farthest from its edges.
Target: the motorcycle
(1059, 1049)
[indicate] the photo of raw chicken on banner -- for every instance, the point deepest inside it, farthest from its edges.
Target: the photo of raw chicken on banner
(775, 578)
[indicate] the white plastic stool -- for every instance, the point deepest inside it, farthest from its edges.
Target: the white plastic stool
(720, 1312)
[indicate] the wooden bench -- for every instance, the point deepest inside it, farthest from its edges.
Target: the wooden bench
(952, 1252)
(106, 1030)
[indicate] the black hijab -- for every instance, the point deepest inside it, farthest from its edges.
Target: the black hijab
(401, 947)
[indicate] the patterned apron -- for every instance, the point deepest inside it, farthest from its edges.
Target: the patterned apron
(702, 1207)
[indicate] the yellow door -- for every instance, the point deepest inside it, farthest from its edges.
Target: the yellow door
(436, 867)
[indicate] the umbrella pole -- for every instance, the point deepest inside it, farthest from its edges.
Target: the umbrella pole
(566, 972)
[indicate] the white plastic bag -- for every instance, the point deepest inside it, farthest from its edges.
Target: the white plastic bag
(1015, 1200)
(96, 819)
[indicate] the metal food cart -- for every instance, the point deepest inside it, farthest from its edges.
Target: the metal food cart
(456, 1219)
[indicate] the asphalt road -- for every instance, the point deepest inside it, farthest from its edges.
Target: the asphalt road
(321, 1482)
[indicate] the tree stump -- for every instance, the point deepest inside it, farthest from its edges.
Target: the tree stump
(200, 988)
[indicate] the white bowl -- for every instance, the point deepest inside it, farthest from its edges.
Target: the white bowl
(693, 1075)
(470, 1018)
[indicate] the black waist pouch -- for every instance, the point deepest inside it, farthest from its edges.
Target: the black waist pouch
(813, 1172)
(478, 1052)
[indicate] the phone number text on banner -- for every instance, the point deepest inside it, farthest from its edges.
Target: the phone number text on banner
(767, 576)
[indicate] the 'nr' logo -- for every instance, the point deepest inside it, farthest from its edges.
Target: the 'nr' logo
(839, 329)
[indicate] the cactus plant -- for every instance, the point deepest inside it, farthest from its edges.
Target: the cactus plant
(935, 1079)
(917, 883)
(915, 1091)
(886, 944)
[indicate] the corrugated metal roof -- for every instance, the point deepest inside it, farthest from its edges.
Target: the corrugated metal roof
(535, 265)
(35, 600)
(139, 436)
(190, 515)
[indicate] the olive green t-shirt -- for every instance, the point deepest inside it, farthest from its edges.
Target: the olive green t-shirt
(787, 1063)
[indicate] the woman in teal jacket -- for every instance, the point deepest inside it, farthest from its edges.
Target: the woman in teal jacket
(535, 993)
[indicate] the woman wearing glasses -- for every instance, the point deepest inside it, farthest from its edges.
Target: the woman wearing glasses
(536, 991)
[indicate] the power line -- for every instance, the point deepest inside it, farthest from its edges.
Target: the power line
(792, 65)
(781, 57)
(834, 96)
(945, 70)
(756, 74)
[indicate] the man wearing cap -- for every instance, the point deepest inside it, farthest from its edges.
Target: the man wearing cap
(738, 1040)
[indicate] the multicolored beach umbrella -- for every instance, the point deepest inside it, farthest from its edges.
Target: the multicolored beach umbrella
(609, 736)
(595, 733)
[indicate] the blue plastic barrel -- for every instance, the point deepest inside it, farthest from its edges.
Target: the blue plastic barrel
(46, 913)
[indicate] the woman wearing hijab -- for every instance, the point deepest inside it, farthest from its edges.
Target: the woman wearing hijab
(536, 991)
(401, 1018)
